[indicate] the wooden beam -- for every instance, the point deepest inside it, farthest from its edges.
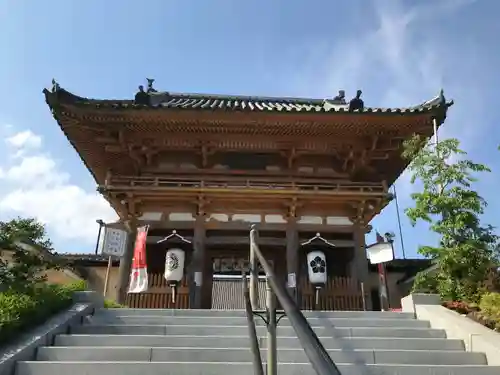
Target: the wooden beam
(225, 174)
(267, 241)
(211, 193)
(168, 226)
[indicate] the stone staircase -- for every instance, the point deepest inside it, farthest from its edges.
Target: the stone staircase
(209, 342)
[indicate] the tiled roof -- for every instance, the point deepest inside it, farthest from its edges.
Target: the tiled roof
(94, 258)
(166, 100)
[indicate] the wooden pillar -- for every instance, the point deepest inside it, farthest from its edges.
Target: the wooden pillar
(196, 287)
(359, 263)
(292, 257)
(126, 264)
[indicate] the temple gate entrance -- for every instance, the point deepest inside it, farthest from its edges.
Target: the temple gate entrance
(227, 269)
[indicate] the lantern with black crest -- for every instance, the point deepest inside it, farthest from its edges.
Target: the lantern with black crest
(174, 263)
(316, 262)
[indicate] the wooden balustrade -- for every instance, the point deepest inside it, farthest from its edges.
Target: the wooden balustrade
(227, 182)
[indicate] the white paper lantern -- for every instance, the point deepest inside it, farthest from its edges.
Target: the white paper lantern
(316, 268)
(174, 266)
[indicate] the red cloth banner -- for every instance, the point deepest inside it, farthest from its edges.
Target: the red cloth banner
(139, 273)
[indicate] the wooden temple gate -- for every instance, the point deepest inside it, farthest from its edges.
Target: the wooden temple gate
(164, 156)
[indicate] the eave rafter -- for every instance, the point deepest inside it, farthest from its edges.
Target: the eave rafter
(366, 208)
(350, 155)
(206, 143)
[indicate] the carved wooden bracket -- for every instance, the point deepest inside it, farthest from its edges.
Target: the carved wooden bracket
(292, 207)
(291, 155)
(204, 155)
(201, 205)
(133, 204)
(360, 214)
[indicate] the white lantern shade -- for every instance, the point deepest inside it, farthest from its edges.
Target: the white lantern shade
(316, 267)
(174, 265)
(380, 253)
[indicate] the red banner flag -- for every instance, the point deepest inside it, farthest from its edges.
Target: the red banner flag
(139, 274)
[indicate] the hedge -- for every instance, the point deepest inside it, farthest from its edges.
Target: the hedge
(22, 311)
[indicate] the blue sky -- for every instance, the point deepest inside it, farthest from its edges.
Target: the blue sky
(398, 52)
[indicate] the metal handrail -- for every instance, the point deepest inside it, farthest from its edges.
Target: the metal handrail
(254, 342)
(315, 351)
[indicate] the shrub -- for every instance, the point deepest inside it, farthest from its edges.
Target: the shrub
(77, 286)
(460, 307)
(109, 304)
(425, 282)
(21, 311)
(490, 305)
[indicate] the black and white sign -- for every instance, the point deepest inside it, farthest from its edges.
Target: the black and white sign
(115, 241)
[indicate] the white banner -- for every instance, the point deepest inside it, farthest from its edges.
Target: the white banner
(114, 242)
(380, 253)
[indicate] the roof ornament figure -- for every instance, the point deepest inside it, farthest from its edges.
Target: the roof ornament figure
(55, 86)
(442, 99)
(337, 103)
(150, 85)
(141, 97)
(356, 103)
(155, 97)
(340, 98)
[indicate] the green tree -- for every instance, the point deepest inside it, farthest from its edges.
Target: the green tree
(467, 249)
(25, 268)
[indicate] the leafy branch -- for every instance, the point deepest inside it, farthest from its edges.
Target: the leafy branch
(22, 267)
(467, 249)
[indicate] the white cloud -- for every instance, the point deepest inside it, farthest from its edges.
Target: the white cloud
(403, 54)
(403, 60)
(34, 185)
(26, 139)
(36, 168)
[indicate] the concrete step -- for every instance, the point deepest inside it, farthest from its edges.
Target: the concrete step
(241, 321)
(146, 354)
(241, 313)
(242, 368)
(180, 341)
(199, 330)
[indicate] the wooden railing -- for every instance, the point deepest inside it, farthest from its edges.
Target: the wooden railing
(226, 182)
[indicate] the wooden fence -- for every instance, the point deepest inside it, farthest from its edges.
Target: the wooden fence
(340, 293)
(159, 295)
